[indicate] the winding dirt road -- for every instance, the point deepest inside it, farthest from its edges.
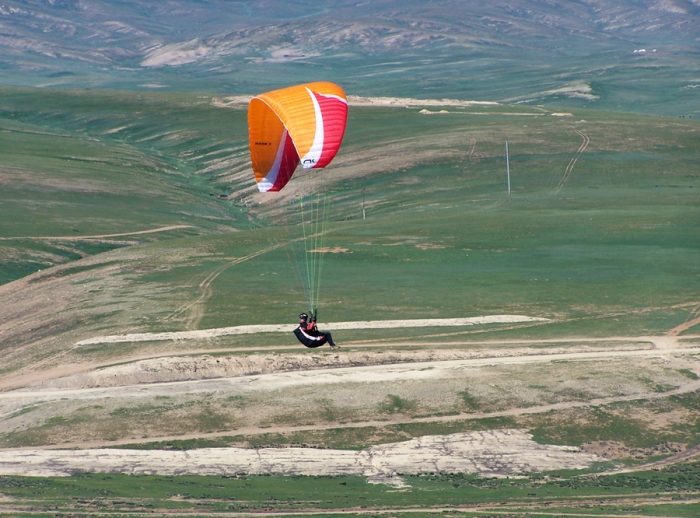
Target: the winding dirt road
(196, 308)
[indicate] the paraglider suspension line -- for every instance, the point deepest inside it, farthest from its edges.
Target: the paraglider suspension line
(296, 267)
(313, 223)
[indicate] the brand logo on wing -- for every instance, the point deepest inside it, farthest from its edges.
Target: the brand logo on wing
(309, 161)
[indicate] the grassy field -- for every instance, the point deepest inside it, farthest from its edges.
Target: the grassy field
(669, 492)
(80, 164)
(603, 241)
(124, 213)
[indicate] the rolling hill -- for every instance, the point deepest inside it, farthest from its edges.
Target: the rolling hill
(150, 246)
(528, 51)
(547, 334)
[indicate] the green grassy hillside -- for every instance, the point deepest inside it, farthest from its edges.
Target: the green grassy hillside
(600, 232)
(80, 164)
(125, 213)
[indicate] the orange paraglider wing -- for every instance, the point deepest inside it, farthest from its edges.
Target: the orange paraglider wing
(300, 124)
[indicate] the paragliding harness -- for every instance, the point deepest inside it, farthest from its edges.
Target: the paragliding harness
(309, 335)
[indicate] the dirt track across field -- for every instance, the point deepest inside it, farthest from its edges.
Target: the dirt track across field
(287, 328)
(574, 159)
(103, 236)
(395, 420)
(659, 343)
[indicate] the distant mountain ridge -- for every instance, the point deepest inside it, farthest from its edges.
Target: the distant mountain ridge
(238, 47)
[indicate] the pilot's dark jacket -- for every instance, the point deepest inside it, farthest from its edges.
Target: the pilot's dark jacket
(309, 335)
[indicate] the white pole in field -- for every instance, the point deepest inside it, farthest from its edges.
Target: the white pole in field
(363, 203)
(508, 166)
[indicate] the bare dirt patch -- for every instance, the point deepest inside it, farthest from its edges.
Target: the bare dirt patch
(177, 54)
(356, 100)
(428, 112)
(184, 368)
(693, 320)
(618, 450)
(665, 420)
(488, 453)
(429, 246)
(330, 250)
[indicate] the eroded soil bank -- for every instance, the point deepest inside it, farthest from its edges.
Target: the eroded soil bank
(199, 367)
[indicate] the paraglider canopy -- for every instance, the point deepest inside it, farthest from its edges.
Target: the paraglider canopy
(300, 124)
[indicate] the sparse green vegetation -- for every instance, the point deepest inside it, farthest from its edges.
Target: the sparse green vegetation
(393, 404)
(23, 411)
(573, 427)
(672, 490)
(469, 400)
(688, 373)
(633, 423)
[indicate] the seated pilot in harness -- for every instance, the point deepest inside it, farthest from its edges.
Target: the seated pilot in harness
(309, 335)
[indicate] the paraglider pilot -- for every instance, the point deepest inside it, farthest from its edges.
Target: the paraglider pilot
(309, 335)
